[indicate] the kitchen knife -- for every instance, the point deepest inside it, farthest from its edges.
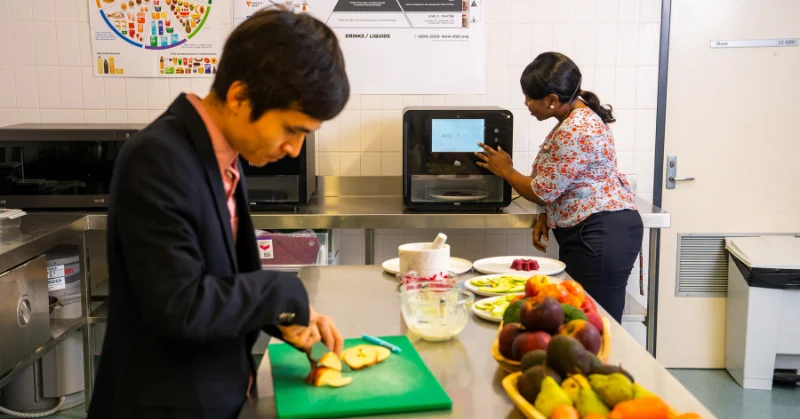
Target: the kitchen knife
(318, 350)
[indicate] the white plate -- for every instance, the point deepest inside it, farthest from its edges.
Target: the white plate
(473, 195)
(502, 265)
(477, 291)
(457, 265)
(485, 314)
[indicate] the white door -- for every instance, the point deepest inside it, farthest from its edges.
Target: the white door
(733, 123)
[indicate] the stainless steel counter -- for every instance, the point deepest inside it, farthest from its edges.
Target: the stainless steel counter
(35, 235)
(364, 300)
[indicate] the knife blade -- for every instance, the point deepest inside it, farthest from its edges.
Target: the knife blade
(318, 350)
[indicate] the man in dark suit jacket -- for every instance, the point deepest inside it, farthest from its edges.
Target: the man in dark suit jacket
(187, 293)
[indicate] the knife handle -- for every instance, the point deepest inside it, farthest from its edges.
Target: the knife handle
(381, 342)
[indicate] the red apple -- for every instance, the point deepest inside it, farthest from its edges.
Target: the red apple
(528, 341)
(595, 320)
(507, 336)
(541, 315)
(583, 332)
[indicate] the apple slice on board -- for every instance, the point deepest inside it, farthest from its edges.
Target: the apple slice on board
(324, 376)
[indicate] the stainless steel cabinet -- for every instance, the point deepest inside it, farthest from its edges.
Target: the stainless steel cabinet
(24, 312)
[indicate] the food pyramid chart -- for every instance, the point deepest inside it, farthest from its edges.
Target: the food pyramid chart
(154, 24)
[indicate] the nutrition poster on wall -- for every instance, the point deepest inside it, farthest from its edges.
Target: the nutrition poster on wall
(400, 46)
(155, 38)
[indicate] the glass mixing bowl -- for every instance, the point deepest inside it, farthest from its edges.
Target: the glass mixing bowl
(435, 313)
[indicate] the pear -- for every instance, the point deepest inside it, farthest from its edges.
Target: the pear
(550, 397)
(589, 403)
(618, 388)
(598, 382)
(572, 388)
(639, 391)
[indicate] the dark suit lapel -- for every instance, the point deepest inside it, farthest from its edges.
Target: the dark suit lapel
(199, 136)
(247, 249)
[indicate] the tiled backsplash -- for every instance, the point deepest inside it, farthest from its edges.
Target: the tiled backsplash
(46, 76)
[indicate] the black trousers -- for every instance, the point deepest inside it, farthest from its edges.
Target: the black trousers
(600, 253)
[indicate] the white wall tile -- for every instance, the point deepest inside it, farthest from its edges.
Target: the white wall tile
(50, 116)
(588, 77)
(8, 95)
(158, 96)
(647, 88)
(69, 50)
(649, 37)
(643, 163)
(391, 131)
(353, 103)
(350, 164)
(370, 101)
(604, 84)
(114, 93)
(627, 44)
(117, 117)
(521, 161)
(67, 10)
(606, 44)
(350, 132)
(95, 117)
(417, 100)
(84, 45)
(20, 10)
(624, 130)
(564, 11)
(330, 137)
(498, 45)
(8, 117)
(537, 132)
(625, 88)
(520, 11)
(201, 86)
(516, 99)
(73, 116)
(629, 10)
(370, 164)
(607, 10)
(625, 161)
(26, 87)
(6, 52)
(497, 83)
(49, 85)
(433, 100)
(46, 43)
(392, 164)
(82, 10)
(650, 10)
(645, 130)
(497, 11)
(520, 44)
(93, 90)
(392, 102)
(138, 116)
(136, 93)
(541, 39)
(542, 11)
(24, 44)
(475, 100)
(370, 130)
(564, 38)
(328, 164)
(44, 10)
(584, 49)
(455, 100)
(521, 130)
(5, 15)
(28, 116)
(153, 114)
(585, 11)
(178, 86)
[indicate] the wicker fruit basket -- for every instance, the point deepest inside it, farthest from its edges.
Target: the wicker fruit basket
(511, 366)
(527, 409)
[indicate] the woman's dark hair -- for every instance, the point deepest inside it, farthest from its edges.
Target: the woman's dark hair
(553, 73)
(287, 61)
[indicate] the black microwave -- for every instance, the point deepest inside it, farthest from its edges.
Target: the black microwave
(59, 166)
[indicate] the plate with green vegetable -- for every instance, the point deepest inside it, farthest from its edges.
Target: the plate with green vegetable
(495, 285)
(493, 308)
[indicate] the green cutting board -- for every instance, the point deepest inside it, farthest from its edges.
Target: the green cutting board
(400, 384)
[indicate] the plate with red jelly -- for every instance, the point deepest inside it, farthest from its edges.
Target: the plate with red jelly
(519, 265)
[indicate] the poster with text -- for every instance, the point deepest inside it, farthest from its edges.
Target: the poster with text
(155, 38)
(400, 46)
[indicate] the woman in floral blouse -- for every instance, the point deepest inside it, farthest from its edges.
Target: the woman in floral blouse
(589, 205)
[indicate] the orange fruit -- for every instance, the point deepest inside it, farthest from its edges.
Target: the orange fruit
(565, 411)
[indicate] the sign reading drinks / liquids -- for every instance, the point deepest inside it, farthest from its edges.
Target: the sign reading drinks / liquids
(155, 38)
(400, 46)
(757, 43)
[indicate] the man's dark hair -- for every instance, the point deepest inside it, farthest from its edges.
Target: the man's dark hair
(287, 61)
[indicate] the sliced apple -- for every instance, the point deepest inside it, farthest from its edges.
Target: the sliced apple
(331, 361)
(324, 376)
(383, 353)
(361, 356)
